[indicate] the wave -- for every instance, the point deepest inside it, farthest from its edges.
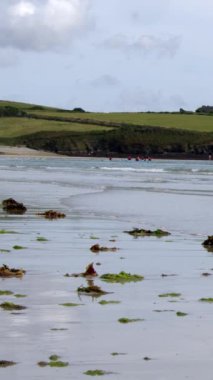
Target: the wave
(148, 170)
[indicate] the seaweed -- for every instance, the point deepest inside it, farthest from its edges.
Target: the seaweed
(117, 353)
(6, 293)
(13, 207)
(58, 364)
(41, 239)
(10, 306)
(54, 362)
(92, 237)
(137, 232)
(97, 372)
(181, 314)
(92, 290)
(96, 248)
(209, 300)
(128, 320)
(121, 277)
(103, 302)
(2, 232)
(169, 295)
(5, 271)
(89, 272)
(71, 304)
(6, 363)
(54, 357)
(58, 329)
(4, 250)
(18, 247)
(208, 242)
(163, 311)
(20, 295)
(51, 214)
(168, 275)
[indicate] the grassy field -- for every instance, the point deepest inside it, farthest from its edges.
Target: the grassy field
(83, 133)
(14, 127)
(194, 122)
(191, 122)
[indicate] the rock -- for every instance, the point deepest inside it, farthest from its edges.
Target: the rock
(13, 207)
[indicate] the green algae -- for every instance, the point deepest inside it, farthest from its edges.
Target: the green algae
(121, 277)
(6, 293)
(54, 357)
(42, 239)
(18, 247)
(2, 232)
(103, 302)
(69, 304)
(209, 300)
(181, 314)
(96, 372)
(92, 237)
(128, 320)
(10, 306)
(137, 232)
(169, 295)
(58, 364)
(54, 362)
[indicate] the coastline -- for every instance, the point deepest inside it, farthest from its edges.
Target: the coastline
(24, 151)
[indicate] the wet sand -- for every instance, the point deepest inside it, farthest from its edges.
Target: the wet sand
(87, 335)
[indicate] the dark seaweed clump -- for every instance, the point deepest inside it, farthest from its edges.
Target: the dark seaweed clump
(10, 306)
(5, 271)
(13, 207)
(92, 290)
(6, 363)
(51, 214)
(96, 248)
(208, 243)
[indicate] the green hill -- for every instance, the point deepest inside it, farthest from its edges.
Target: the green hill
(85, 133)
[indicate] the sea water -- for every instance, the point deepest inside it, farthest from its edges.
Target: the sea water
(102, 199)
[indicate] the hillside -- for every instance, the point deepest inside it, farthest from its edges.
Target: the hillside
(86, 133)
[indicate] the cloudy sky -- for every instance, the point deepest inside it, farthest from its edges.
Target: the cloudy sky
(107, 55)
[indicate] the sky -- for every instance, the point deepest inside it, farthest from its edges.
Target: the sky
(107, 55)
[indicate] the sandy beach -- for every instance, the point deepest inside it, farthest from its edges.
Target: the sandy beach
(171, 336)
(23, 151)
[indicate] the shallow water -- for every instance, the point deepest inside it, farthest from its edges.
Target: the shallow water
(102, 199)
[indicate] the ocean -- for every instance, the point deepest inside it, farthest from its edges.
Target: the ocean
(102, 199)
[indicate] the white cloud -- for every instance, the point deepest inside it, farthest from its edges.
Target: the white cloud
(162, 46)
(41, 25)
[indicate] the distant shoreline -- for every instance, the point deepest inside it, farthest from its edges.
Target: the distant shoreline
(22, 151)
